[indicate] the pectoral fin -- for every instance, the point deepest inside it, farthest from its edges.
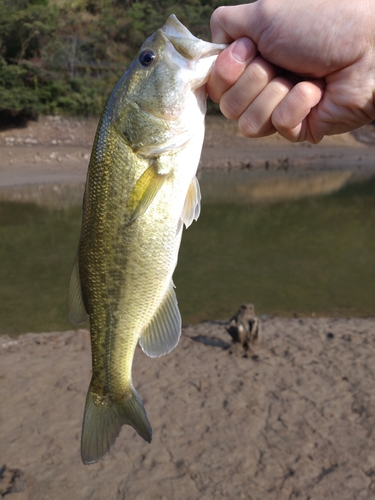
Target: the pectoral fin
(75, 306)
(192, 207)
(144, 192)
(163, 332)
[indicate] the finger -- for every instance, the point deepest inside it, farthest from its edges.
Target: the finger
(289, 116)
(230, 23)
(229, 66)
(257, 75)
(255, 121)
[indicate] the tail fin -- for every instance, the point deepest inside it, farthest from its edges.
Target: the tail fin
(102, 422)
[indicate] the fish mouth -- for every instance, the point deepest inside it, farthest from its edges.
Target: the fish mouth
(189, 46)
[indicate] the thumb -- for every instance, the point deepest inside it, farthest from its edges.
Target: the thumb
(229, 23)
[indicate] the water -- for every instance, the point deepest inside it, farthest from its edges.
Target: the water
(299, 257)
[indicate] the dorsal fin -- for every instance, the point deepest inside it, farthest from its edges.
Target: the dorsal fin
(164, 330)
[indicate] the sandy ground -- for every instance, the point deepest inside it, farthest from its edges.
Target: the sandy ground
(292, 420)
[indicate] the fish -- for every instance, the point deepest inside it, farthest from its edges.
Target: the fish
(141, 189)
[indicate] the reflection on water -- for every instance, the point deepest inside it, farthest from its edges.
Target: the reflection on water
(36, 250)
(313, 255)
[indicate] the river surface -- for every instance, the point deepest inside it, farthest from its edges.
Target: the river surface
(306, 256)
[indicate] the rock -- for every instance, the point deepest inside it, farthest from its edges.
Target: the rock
(244, 327)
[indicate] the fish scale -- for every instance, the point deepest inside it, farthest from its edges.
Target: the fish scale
(140, 190)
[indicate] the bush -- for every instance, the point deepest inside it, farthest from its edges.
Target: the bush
(65, 56)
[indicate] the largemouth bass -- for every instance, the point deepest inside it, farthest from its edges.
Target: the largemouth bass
(141, 188)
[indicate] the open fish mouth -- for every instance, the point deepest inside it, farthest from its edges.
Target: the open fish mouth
(189, 46)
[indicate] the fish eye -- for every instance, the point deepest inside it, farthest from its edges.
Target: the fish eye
(147, 57)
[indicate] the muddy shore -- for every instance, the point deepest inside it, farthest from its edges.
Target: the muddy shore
(56, 150)
(294, 420)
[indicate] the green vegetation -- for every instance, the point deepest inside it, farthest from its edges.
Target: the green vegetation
(64, 56)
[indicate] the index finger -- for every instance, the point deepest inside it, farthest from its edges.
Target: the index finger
(229, 23)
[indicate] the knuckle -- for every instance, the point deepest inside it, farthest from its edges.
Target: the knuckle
(235, 101)
(304, 93)
(282, 86)
(249, 127)
(218, 12)
(223, 73)
(281, 117)
(260, 71)
(217, 15)
(230, 108)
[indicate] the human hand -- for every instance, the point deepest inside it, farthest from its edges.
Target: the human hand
(305, 69)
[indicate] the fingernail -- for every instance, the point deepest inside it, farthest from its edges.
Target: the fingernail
(243, 49)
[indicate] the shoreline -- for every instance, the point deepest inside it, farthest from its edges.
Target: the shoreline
(57, 150)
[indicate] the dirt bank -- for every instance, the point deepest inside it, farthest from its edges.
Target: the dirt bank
(56, 150)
